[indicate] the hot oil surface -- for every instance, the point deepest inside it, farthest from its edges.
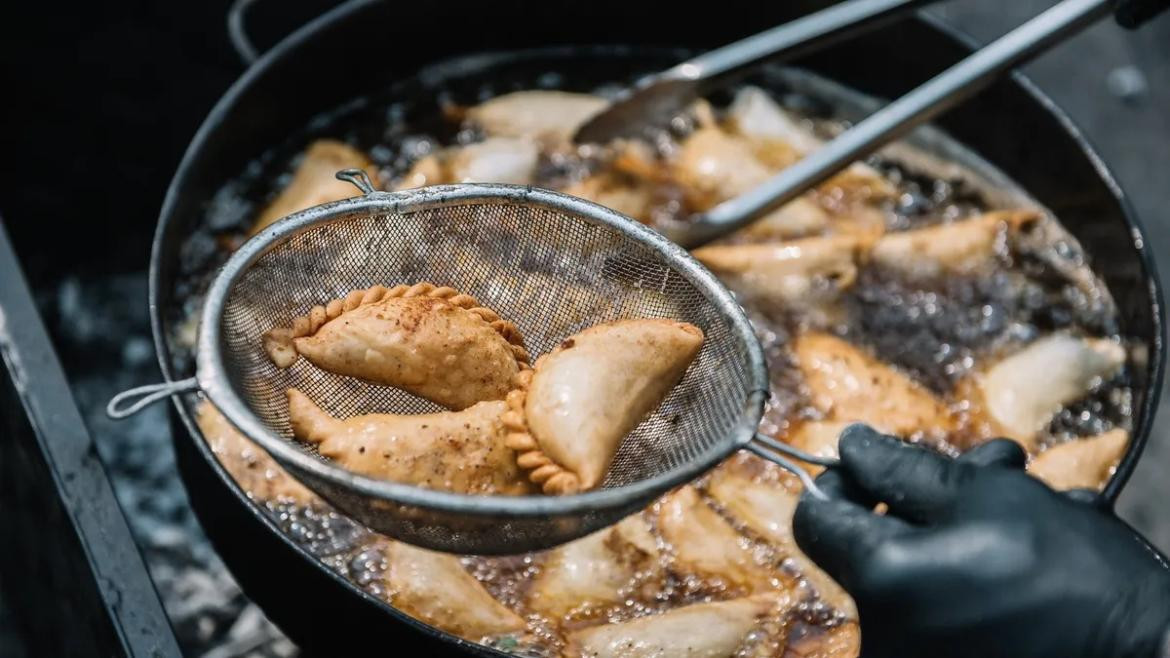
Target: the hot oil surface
(938, 330)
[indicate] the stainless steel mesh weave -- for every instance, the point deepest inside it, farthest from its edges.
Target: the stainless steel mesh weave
(551, 264)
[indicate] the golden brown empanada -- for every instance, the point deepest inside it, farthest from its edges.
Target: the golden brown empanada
(315, 181)
(1081, 463)
(429, 341)
(567, 416)
(849, 385)
(460, 451)
(1019, 395)
(435, 589)
(701, 630)
(585, 577)
(961, 247)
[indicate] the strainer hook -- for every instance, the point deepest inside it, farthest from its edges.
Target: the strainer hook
(358, 178)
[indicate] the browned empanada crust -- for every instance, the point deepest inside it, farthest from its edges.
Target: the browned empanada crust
(439, 343)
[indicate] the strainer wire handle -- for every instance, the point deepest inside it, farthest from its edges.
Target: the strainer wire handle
(146, 396)
(778, 453)
(358, 178)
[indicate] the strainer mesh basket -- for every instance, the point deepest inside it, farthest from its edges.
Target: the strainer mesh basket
(551, 264)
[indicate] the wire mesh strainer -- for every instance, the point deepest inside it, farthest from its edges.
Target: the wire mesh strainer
(552, 264)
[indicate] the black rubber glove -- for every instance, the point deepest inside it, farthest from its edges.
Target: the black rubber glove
(976, 558)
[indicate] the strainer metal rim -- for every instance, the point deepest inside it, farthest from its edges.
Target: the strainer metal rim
(211, 369)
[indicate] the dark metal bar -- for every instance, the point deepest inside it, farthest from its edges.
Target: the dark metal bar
(69, 567)
(934, 97)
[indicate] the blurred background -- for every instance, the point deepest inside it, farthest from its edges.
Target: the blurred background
(102, 98)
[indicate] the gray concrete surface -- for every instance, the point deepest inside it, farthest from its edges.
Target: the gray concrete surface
(1115, 85)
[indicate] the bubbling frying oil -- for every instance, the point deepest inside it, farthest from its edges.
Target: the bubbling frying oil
(937, 331)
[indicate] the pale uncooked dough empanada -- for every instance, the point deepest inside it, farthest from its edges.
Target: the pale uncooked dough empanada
(569, 414)
(460, 451)
(435, 589)
(962, 247)
(630, 196)
(315, 181)
(849, 385)
(494, 160)
(766, 508)
(1081, 463)
(1018, 396)
(427, 340)
(797, 272)
(551, 117)
(251, 467)
(586, 577)
(705, 545)
(702, 630)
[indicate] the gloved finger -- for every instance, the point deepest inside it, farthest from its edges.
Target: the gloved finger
(917, 484)
(996, 452)
(1087, 497)
(840, 534)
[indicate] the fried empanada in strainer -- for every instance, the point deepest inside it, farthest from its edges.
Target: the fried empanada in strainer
(549, 263)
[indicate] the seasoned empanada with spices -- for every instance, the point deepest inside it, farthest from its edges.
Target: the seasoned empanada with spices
(460, 451)
(427, 340)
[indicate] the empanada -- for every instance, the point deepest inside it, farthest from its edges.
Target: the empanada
(435, 589)
(839, 641)
(315, 181)
(568, 416)
(460, 451)
(800, 272)
(766, 508)
(1018, 396)
(962, 247)
(252, 468)
(701, 630)
(706, 545)
(427, 340)
(494, 160)
(849, 385)
(1081, 463)
(551, 117)
(585, 577)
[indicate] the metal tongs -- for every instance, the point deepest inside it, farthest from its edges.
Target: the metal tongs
(658, 97)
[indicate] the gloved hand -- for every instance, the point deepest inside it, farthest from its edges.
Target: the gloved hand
(976, 558)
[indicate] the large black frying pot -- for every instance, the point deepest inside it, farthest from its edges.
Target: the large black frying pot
(364, 46)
